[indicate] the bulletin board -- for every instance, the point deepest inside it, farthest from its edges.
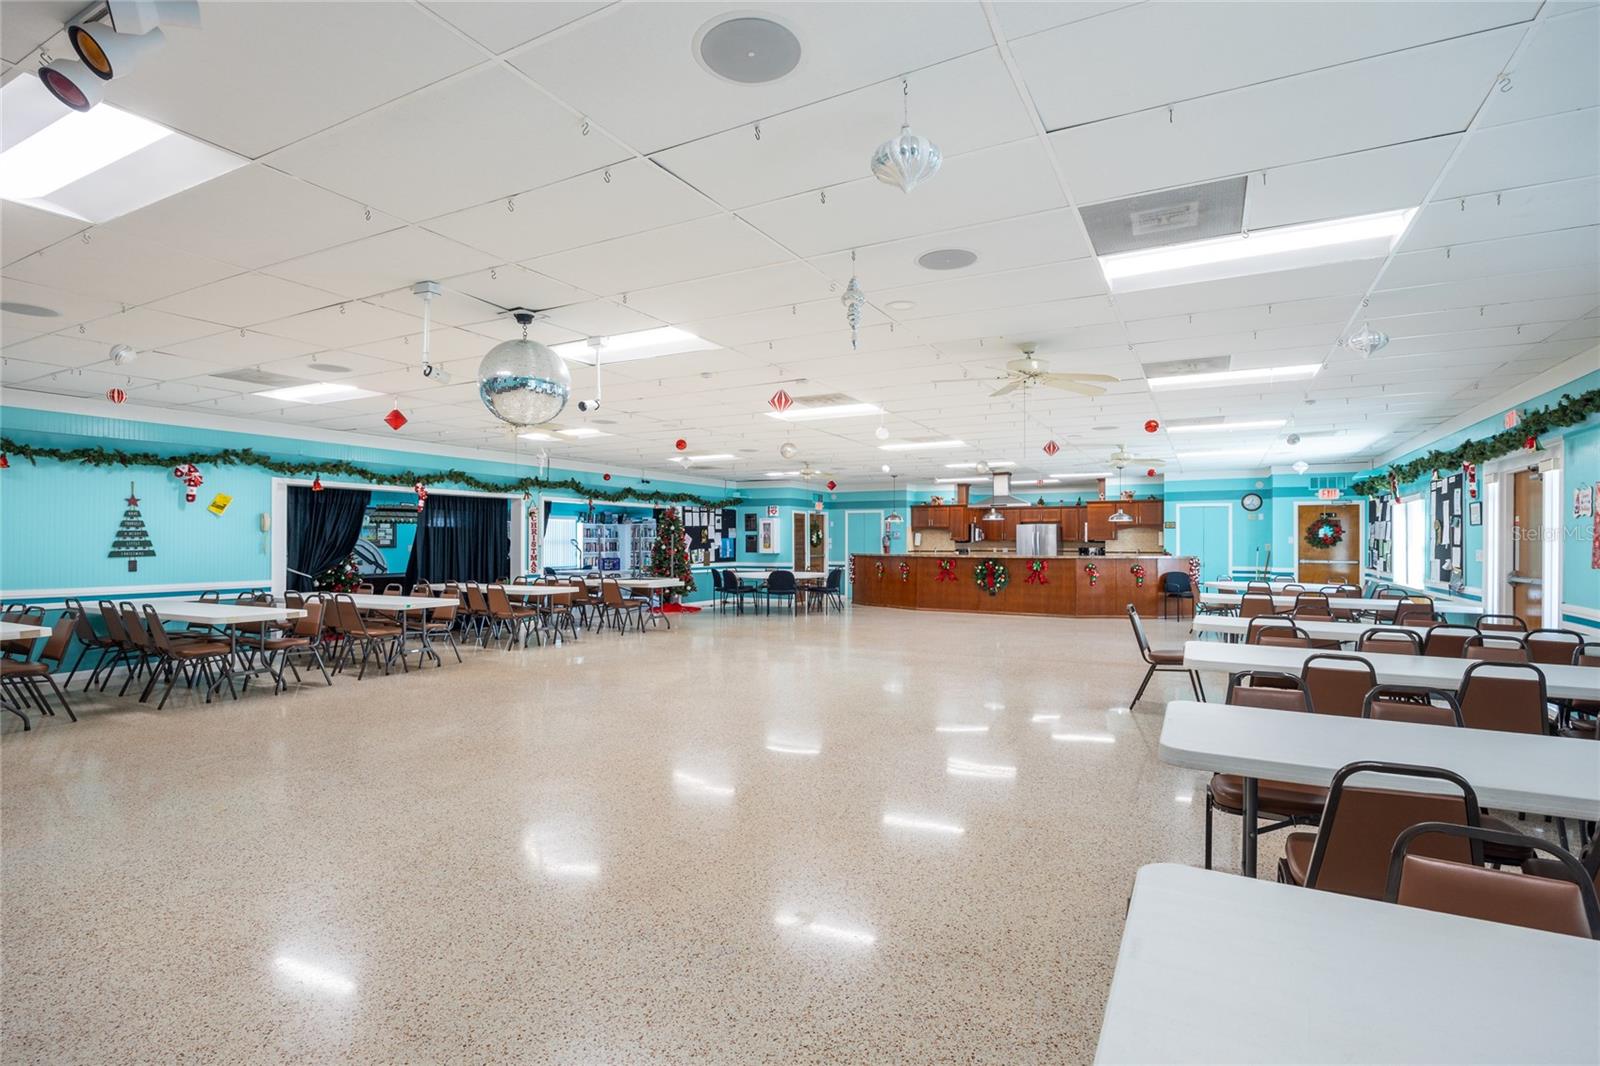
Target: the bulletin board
(1448, 513)
(1380, 537)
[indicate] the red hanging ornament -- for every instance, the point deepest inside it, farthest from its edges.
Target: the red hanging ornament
(1531, 443)
(1470, 470)
(832, 485)
(5, 462)
(422, 494)
(605, 477)
(1150, 472)
(781, 401)
(680, 444)
(395, 419)
(1151, 426)
(316, 483)
(116, 395)
(1051, 447)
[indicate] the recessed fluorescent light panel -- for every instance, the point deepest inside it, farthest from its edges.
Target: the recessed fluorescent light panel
(720, 457)
(1225, 427)
(973, 466)
(317, 392)
(1223, 453)
(813, 414)
(583, 432)
(922, 445)
(631, 347)
(535, 436)
(1270, 375)
(1259, 252)
(95, 165)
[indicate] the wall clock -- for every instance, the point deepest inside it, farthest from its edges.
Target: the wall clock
(1250, 501)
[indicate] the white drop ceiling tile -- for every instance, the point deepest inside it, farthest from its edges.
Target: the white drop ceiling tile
(1014, 179)
(88, 381)
(71, 308)
(446, 346)
(952, 295)
(638, 196)
(60, 350)
(508, 329)
(252, 216)
(117, 267)
(1336, 111)
(145, 327)
(1488, 216)
(513, 286)
(749, 290)
(163, 366)
(597, 318)
(1019, 322)
(246, 300)
(1351, 278)
(258, 75)
(1332, 311)
(236, 348)
(962, 105)
(1390, 178)
(1582, 329)
(354, 364)
(1559, 309)
(17, 371)
(1019, 18)
(1536, 152)
(1317, 338)
(1556, 72)
(717, 244)
(391, 157)
(1154, 55)
(1463, 342)
(1483, 292)
(501, 26)
(753, 329)
(1508, 255)
(634, 69)
(1009, 244)
(392, 260)
(344, 325)
(25, 230)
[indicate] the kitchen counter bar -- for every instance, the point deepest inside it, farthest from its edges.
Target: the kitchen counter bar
(1065, 585)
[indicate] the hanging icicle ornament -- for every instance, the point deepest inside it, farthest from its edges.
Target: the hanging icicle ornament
(909, 159)
(853, 299)
(1366, 340)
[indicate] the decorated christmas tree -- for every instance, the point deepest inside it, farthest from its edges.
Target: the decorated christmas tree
(669, 556)
(342, 576)
(132, 539)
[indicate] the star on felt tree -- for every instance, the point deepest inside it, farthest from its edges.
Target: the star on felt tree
(669, 555)
(132, 540)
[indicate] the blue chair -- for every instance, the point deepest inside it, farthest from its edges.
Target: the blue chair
(781, 583)
(1175, 585)
(832, 592)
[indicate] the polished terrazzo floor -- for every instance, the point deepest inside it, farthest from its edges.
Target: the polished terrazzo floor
(872, 838)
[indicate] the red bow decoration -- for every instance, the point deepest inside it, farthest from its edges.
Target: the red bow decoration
(1531, 443)
(189, 474)
(947, 570)
(422, 494)
(1036, 572)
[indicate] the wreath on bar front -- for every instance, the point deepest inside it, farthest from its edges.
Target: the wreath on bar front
(1325, 532)
(991, 576)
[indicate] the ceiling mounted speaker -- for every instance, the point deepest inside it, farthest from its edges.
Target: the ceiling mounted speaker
(109, 54)
(72, 83)
(748, 49)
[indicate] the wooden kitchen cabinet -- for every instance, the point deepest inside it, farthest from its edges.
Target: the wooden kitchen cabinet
(1072, 524)
(1147, 513)
(1098, 515)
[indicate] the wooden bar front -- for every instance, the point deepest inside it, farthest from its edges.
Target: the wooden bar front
(1062, 588)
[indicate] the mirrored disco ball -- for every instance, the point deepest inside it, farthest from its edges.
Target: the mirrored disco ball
(523, 382)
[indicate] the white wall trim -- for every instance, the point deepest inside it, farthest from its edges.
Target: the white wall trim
(42, 597)
(1551, 380)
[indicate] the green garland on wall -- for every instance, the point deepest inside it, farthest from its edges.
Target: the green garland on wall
(341, 468)
(1570, 411)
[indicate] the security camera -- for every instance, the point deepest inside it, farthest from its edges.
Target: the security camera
(589, 405)
(123, 354)
(435, 373)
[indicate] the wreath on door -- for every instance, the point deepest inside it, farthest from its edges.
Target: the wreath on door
(1325, 532)
(816, 536)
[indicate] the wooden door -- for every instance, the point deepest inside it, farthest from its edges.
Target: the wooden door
(1339, 564)
(1526, 574)
(799, 541)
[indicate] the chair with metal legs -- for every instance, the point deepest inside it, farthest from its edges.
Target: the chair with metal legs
(1171, 661)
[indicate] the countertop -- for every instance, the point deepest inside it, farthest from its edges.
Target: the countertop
(1001, 553)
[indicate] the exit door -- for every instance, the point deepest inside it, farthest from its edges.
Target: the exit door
(1526, 574)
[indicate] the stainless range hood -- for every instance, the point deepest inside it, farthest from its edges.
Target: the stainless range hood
(1001, 498)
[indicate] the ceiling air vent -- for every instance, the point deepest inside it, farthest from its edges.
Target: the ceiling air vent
(1175, 216)
(823, 399)
(1178, 367)
(1206, 420)
(264, 378)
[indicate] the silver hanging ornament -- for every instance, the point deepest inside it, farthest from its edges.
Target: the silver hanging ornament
(788, 450)
(523, 382)
(853, 299)
(909, 159)
(1366, 340)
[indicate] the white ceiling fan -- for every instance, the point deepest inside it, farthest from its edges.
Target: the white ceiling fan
(1122, 458)
(1029, 371)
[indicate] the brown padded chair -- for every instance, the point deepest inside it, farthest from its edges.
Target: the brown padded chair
(1509, 697)
(1504, 648)
(1415, 611)
(374, 636)
(1447, 641)
(1160, 659)
(305, 636)
(196, 656)
(24, 677)
(1386, 640)
(1397, 703)
(1350, 853)
(1563, 903)
(1263, 587)
(1553, 647)
(1501, 623)
(1313, 605)
(1278, 634)
(1579, 717)
(1590, 860)
(1254, 604)
(1337, 683)
(1286, 801)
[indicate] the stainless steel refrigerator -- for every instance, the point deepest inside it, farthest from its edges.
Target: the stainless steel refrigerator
(1038, 538)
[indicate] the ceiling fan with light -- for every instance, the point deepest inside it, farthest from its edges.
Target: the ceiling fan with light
(1030, 371)
(1122, 458)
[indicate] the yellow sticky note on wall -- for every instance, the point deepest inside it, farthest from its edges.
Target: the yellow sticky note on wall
(220, 504)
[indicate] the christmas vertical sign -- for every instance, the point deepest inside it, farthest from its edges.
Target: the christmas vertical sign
(132, 541)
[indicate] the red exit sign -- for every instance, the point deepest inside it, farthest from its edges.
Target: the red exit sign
(1327, 494)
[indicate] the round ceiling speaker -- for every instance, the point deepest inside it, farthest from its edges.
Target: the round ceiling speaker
(947, 259)
(748, 50)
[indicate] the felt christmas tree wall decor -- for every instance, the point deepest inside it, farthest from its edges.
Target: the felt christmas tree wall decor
(669, 555)
(132, 540)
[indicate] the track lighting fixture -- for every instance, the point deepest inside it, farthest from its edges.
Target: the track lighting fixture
(72, 83)
(109, 54)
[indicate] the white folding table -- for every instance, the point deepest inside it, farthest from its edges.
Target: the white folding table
(1513, 771)
(1347, 603)
(404, 606)
(1346, 632)
(22, 631)
(1276, 585)
(1418, 671)
(1221, 969)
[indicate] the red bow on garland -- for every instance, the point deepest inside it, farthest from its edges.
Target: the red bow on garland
(947, 570)
(1036, 572)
